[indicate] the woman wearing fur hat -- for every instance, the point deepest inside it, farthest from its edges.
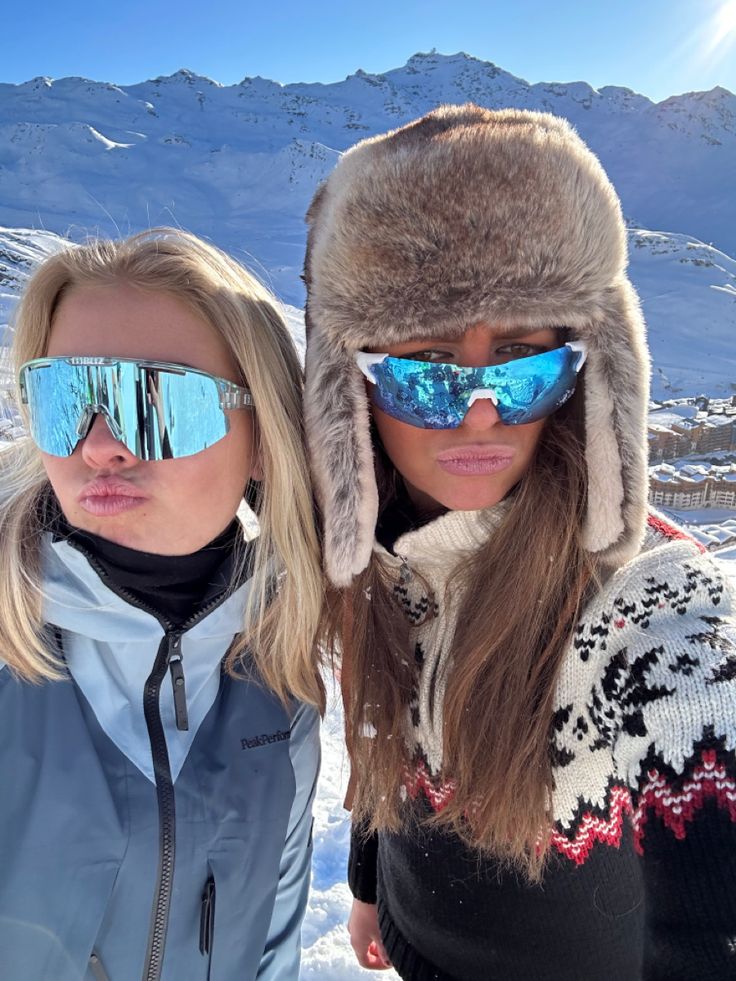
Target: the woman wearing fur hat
(538, 673)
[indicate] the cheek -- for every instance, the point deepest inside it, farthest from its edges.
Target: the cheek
(63, 477)
(194, 497)
(407, 447)
(529, 440)
(218, 476)
(237, 450)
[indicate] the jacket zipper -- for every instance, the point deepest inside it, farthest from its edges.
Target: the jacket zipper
(166, 810)
(168, 656)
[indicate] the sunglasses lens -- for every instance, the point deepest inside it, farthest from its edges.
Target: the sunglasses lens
(158, 414)
(533, 388)
(437, 396)
(182, 415)
(55, 402)
(421, 394)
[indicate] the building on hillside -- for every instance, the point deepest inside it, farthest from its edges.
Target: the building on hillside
(693, 427)
(694, 485)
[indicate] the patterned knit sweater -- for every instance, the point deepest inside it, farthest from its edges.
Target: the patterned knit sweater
(641, 883)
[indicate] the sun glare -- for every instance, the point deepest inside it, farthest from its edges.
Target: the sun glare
(725, 23)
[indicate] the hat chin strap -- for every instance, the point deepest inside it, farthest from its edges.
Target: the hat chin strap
(482, 393)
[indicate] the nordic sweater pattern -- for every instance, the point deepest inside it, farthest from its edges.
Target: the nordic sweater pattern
(641, 882)
(645, 711)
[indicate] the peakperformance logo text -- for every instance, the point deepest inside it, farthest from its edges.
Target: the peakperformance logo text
(265, 739)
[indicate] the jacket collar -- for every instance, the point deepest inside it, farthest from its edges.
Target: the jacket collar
(109, 650)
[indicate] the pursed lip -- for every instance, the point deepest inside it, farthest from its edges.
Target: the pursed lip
(109, 487)
(107, 497)
(477, 451)
(476, 459)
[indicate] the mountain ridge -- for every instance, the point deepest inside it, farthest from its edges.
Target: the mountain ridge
(238, 164)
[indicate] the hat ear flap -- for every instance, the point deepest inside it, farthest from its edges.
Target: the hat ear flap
(616, 405)
(339, 442)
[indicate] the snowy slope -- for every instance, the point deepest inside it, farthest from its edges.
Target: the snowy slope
(688, 293)
(20, 251)
(239, 163)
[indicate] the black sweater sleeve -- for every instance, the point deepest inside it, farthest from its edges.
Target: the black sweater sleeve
(362, 864)
(673, 685)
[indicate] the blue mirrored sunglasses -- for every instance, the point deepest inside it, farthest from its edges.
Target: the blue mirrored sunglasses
(158, 410)
(437, 396)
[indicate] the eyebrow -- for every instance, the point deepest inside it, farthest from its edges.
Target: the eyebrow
(510, 336)
(522, 332)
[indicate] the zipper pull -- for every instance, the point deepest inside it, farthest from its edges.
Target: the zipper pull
(207, 917)
(177, 680)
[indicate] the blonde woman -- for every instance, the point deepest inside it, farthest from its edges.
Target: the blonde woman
(159, 695)
(539, 673)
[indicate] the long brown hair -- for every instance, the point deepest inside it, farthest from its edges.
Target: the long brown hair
(521, 596)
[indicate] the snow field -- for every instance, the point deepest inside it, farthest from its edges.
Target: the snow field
(326, 951)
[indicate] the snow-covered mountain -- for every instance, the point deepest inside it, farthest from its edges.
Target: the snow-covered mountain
(239, 163)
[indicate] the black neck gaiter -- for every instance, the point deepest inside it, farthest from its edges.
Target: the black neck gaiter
(176, 587)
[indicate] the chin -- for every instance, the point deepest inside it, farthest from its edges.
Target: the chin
(121, 536)
(471, 503)
(112, 531)
(469, 498)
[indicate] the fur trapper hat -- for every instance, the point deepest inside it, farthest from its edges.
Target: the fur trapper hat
(471, 215)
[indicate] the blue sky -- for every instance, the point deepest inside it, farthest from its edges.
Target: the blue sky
(657, 47)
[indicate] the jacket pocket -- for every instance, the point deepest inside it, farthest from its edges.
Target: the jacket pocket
(207, 921)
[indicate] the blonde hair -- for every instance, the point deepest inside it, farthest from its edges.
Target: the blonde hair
(286, 589)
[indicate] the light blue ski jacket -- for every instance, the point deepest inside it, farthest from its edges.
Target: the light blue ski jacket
(133, 847)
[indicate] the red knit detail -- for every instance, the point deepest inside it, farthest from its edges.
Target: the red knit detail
(439, 795)
(592, 828)
(670, 531)
(677, 809)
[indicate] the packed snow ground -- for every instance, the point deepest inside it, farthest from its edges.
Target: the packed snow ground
(326, 951)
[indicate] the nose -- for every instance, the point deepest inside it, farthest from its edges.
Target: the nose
(100, 449)
(481, 415)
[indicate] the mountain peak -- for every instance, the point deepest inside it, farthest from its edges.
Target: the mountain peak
(187, 77)
(436, 57)
(39, 82)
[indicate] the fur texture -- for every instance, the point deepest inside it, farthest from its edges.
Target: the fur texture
(471, 215)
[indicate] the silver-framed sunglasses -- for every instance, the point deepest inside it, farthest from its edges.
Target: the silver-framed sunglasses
(159, 410)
